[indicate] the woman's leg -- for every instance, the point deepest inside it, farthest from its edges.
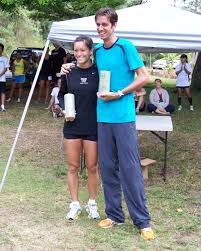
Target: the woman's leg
(91, 158)
(72, 150)
(47, 91)
(41, 87)
(12, 90)
(20, 90)
(151, 108)
(179, 91)
(188, 94)
(170, 108)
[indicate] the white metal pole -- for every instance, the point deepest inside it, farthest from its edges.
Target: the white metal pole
(23, 115)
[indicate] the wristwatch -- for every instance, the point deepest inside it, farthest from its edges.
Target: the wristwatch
(120, 93)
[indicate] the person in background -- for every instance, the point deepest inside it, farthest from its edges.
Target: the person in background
(58, 57)
(183, 71)
(140, 104)
(31, 68)
(82, 81)
(19, 70)
(159, 100)
(54, 101)
(45, 78)
(4, 65)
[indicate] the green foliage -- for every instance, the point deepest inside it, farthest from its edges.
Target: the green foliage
(17, 29)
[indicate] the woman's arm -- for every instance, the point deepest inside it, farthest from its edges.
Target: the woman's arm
(152, 98)
(166, 98)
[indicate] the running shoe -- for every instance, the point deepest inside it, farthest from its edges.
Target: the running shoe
(108, 223)
(191, 108)
(74, 212)
(92, 211)
(179, 108)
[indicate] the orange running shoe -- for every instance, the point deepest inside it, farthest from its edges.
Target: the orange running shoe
(147, 234)
(107, 223)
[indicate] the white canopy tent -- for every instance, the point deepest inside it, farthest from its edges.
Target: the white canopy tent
(150, 27)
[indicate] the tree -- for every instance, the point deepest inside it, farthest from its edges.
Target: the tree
(196, 76)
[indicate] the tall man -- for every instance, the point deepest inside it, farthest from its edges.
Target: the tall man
(117, 140)
(3, 68)
(119, 157)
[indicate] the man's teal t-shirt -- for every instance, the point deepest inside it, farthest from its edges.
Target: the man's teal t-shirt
(121, 60)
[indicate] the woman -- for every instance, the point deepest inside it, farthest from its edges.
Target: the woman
(82, 81)
(31, 68)
(45, 78)
(18, 69)
(159, 100)
(183, 71)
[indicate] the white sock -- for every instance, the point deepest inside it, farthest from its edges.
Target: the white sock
(76, 203)
(91, 201)
(2, 106)
(147, 228)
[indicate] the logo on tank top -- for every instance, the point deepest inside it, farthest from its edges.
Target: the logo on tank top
(83, 81)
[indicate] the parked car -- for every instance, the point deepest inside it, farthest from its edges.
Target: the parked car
(175, 63)
(160, 64)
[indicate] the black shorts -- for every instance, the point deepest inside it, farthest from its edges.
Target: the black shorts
(45, 77)
(83, 137)
(2, 87)
(183, 87)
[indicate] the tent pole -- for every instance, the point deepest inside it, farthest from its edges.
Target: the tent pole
(23, 115)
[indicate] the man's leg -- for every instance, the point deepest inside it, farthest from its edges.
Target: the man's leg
(131, 174)
(109, 168)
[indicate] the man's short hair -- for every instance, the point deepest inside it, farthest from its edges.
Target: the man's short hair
(2, 46)
(109, 13)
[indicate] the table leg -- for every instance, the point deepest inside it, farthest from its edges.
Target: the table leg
(165, 157)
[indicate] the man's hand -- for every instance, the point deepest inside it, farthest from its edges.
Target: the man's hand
(108, 96)
(66, 68)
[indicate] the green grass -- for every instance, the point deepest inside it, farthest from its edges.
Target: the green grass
(35, 198)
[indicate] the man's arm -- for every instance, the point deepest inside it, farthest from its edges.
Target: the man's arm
(141, 80)
(3, 71)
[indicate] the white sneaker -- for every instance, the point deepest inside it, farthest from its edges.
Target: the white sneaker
(179, 108)
(92, 211)
(74, 212)
(191, 108)
(18, 100)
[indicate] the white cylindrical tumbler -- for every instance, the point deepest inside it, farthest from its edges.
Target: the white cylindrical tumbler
(69, 102)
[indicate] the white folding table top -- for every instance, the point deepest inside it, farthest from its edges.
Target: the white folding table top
(154, 123)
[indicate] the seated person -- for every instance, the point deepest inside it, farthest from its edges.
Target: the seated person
(159, 100)
(139, 100)
(54, 101)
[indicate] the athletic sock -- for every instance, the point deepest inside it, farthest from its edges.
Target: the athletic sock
(179, 100)
(91, 201)
(190, 100)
